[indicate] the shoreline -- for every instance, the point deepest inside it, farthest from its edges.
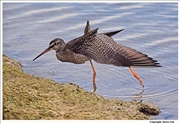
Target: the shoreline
(28, 97)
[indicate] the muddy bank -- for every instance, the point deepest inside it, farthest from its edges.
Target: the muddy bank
(27, 97)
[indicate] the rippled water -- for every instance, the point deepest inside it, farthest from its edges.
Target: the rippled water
(151, 28)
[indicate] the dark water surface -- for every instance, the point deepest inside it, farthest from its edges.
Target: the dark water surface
(151, 28)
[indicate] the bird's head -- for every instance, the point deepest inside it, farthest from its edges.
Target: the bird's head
(55, 44)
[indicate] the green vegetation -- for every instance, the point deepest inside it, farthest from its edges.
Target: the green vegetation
(26, 97)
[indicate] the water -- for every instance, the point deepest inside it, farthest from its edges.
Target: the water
(151, 28)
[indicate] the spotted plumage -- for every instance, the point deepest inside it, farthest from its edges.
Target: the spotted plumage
(105, 50)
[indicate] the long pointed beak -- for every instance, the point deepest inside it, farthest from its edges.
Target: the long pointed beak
(45, 51)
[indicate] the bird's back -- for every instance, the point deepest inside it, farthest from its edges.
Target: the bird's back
(103, 49)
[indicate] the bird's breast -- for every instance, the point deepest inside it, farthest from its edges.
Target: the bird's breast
(69, 56)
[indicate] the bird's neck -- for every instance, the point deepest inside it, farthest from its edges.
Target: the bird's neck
(60, 48)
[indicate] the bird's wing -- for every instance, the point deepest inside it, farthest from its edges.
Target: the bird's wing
(110, 34)
(87, 28)
(104, 49)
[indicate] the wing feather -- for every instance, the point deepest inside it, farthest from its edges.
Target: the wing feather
(103, 49)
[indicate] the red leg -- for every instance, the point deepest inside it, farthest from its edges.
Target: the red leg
(94, 76)
(136, 76)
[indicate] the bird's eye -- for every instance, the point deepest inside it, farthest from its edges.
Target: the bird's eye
(54, 44)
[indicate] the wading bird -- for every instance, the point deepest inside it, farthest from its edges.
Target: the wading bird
(101, 48)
